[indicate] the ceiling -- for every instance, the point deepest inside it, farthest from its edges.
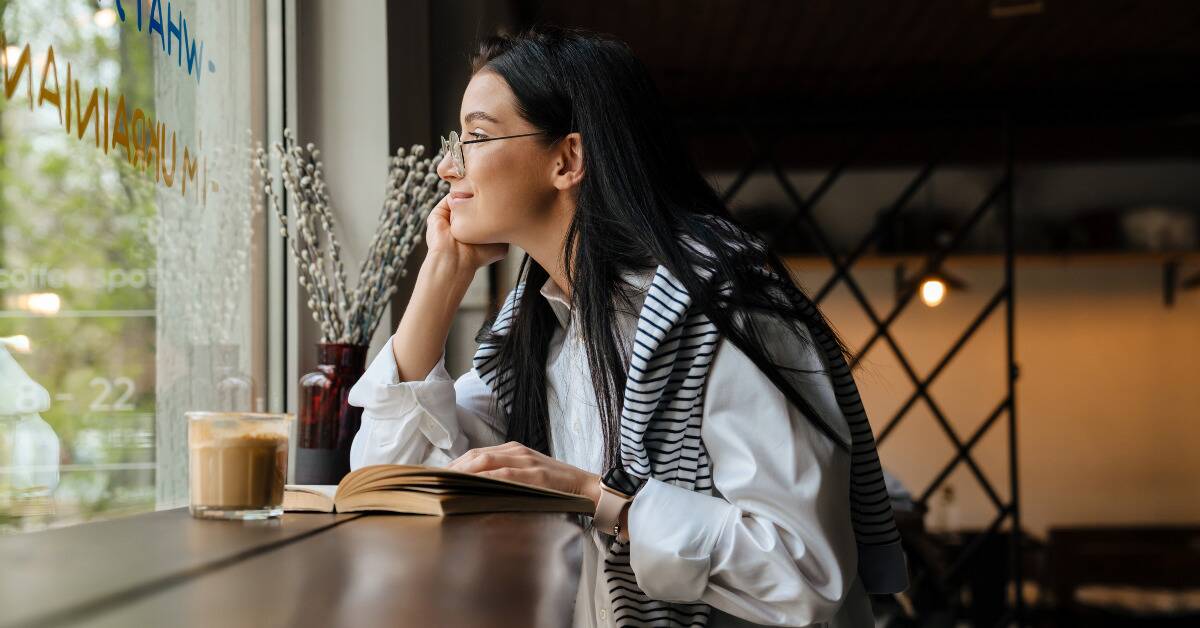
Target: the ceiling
(1078, 79)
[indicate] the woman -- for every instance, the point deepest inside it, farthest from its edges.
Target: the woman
(726, 499)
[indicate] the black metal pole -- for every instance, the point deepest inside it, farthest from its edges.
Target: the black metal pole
(1015, 552)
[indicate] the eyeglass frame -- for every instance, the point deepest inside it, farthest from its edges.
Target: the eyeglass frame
(454, 147)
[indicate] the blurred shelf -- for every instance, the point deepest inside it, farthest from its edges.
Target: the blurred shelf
(79, 314)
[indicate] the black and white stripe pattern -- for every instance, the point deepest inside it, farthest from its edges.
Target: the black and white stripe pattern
(660, 437)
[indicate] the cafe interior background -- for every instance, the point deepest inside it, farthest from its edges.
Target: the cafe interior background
(995, 200)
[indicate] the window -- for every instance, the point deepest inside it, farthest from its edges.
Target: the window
(131, 247)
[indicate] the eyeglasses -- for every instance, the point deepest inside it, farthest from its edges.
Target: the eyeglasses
(454, 145)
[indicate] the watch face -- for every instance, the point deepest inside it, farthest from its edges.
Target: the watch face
(621, 480)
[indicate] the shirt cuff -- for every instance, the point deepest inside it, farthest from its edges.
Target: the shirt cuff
(672, 533)
(383, 397)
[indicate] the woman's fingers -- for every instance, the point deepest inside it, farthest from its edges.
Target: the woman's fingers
(510, 447)
(513, 474)
(516, 462)
(439, 238)
(441, 209)
(490, 460)
(437, 230)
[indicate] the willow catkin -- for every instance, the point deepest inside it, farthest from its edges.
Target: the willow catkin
(349, 314)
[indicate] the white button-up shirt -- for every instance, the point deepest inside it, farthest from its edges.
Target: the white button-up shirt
(773, 544)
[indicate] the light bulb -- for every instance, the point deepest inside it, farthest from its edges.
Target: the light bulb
(40, 302)
(933, 291)
(105, 18)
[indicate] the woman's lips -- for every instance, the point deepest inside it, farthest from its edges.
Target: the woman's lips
(459, 198)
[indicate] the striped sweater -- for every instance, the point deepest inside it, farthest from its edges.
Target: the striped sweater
(660, 436)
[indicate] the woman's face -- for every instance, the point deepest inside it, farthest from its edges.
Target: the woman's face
(508, 185)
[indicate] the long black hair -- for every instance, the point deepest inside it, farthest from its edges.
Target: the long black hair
(640, 198)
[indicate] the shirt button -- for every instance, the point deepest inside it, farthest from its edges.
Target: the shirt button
(603, 615)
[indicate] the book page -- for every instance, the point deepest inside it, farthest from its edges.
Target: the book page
(327, 490)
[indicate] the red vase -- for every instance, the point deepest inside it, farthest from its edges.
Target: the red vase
(327, 424)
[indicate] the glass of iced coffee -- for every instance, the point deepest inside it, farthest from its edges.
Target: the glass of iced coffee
(237, 463)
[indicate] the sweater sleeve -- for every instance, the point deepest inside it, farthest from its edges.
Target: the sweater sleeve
(430, 421)
(773, 544)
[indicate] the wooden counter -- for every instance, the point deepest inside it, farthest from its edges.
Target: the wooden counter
(304, 569)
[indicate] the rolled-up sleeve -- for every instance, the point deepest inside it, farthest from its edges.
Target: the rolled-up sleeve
(430, 421)
(774, 543)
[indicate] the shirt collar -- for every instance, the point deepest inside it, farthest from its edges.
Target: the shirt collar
(637, 282)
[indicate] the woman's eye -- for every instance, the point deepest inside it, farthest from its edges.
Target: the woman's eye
(477, 135)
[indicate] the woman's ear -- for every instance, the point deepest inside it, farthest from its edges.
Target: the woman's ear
(568, 161)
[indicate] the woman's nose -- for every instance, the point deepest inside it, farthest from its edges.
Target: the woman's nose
(446, 169)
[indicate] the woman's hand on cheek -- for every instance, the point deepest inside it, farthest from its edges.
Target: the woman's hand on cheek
(516, 462)
(441, 241)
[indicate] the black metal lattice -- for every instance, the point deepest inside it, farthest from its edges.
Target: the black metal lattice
(999, 199)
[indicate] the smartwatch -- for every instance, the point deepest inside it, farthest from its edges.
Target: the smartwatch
(617, 489)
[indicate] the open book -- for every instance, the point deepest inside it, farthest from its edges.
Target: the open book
(427, 490)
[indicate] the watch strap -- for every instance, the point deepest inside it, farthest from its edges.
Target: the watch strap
(617, 489)
(608, 510)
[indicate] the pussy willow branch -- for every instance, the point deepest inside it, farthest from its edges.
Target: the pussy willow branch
(345, 314)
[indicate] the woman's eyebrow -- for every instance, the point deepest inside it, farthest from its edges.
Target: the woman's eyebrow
(479, 115)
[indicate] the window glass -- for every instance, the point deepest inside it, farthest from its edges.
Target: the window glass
(130, 240)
